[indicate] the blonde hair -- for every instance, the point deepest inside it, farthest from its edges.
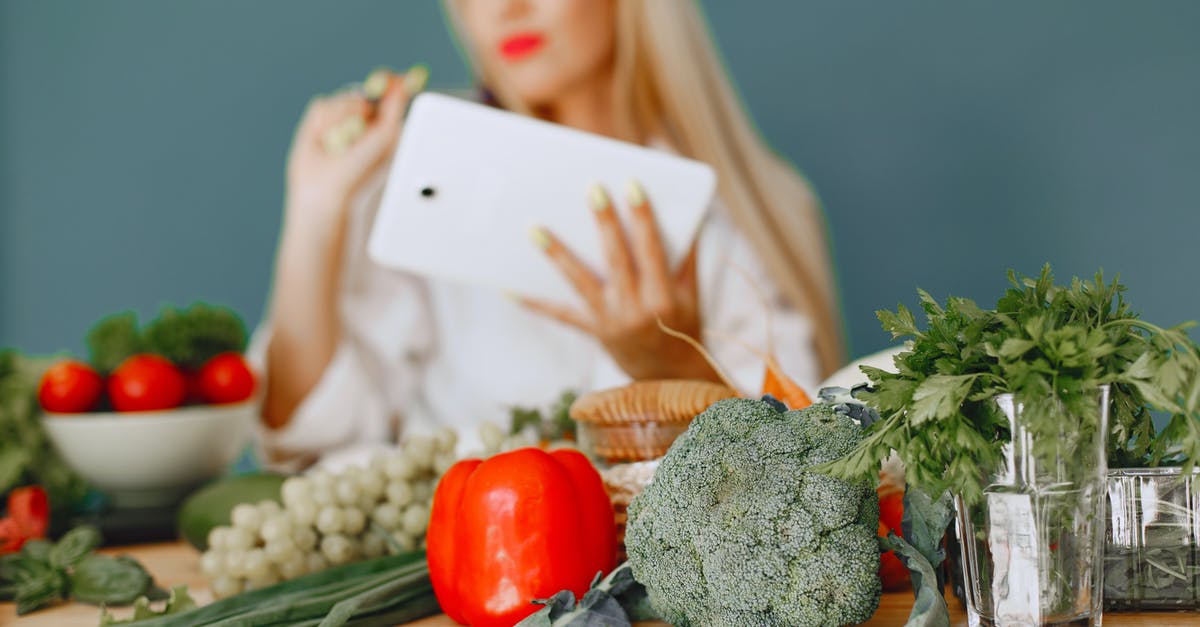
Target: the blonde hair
(669, 81)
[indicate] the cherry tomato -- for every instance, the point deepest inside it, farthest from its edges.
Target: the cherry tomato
(226, 379)
(70, 387)
(146, 382)
(30, 507)
(12, 538)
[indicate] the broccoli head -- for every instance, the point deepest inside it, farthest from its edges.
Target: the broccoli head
(189, 337)
(736, 529)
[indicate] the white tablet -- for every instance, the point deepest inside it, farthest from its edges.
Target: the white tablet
(469, 182)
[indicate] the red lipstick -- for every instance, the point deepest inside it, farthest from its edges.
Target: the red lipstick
(520, 45)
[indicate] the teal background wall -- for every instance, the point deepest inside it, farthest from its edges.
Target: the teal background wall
(142, 143)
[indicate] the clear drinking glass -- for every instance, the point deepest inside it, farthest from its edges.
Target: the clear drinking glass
(1032, 546)
(1152, 552)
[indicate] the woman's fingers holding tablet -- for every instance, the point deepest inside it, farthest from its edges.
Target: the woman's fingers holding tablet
(622, 274)
(624, 309)
(589, 286)
(648, 251)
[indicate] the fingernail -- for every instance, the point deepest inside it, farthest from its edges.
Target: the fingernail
(511, 295)
(540, 237)
(598, 198)
(376, 84)
(634, 194)
(415, 78)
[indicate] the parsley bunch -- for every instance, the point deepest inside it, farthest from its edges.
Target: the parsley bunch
(1051, 346)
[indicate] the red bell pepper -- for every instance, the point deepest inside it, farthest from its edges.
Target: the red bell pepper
(522, 525)
(28, 518)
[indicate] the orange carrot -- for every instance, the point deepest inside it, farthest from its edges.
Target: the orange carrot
(779, 385)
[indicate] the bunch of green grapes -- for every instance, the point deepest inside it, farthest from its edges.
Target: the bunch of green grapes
(329, 519)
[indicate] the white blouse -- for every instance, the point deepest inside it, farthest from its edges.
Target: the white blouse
(416, 353)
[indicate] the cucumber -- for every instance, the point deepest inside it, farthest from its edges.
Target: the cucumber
(210, 506)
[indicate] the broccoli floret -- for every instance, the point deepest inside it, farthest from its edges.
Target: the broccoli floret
(736, 530)
(113, 339)
(189, 337)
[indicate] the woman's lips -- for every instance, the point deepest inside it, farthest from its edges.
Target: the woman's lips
(520, 45)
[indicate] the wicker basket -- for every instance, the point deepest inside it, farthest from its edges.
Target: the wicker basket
(627, 429)
(639, 421)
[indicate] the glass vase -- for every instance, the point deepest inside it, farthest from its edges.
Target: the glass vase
(1152, 548)
(1032, 545)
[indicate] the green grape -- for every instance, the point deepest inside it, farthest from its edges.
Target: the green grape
(255, 564)
(387, 516)
(293, 567)
(415, 519)
(399, 493)
(338, 549)
(330, 520)
(353, 521)
(404, 542)
(373, 545)
(280, 550)
(276, 527)
(238, 539)
(400, 468)
(226, 586)
(303, 513)
(372, 484)
(296, 490)
(212, 563)
(246, 516)
(347, 491)
(304, 538)
(218, 538)
(315, 561)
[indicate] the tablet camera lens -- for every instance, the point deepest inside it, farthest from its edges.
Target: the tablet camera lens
(428, 192)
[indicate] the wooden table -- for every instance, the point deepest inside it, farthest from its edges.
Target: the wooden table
(177, 563)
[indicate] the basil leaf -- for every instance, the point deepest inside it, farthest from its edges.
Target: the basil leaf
(109, 580)
(37, 592)
(37, 549)
(73, 546)
(19, 569)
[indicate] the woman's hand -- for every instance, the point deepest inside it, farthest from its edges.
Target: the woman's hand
(340, 141)
(623, 310)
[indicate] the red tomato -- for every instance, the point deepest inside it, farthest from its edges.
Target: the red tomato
(146, 382)
(12, 538)
(226, 379)
(30, 507)
(892, 571)
(70, 387)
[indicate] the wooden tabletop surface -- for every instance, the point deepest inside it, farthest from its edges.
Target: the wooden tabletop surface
(177, 563)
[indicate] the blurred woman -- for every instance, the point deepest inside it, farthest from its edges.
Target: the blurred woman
(356, 354)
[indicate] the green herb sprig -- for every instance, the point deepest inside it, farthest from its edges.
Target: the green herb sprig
(44, 573)
(1044, 343)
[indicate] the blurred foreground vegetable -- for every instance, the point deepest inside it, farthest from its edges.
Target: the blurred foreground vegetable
(26, 456)
(187, 337)
(44, 573)
(519, 526)
(326, 519)
(390, 590)
(28, 518)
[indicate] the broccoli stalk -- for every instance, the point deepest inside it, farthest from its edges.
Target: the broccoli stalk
(737, 528)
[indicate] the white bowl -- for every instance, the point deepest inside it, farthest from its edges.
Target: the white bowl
(850, 376)
(152, 458)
